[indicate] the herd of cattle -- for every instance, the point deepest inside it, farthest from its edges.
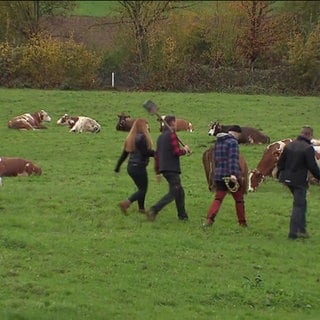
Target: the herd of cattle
(12, 167)
(250, 179)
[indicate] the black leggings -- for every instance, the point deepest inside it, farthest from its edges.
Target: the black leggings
(139, 175)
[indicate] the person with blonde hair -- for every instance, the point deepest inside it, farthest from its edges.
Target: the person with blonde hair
(138, 146)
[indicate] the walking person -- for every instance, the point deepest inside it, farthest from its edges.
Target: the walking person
(296, 159)
(226, 159)
(138, 146)
(167, 163)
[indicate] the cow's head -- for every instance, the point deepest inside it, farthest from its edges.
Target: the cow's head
(44, 116)
(214, 128)
(255, 179)
(64, 120)
(121, 125)
(190, 127)
(67, 120)
(31, 168)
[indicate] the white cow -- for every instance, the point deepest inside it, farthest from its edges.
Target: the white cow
(79, 124)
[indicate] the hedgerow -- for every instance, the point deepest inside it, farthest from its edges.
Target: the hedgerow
(45, 62)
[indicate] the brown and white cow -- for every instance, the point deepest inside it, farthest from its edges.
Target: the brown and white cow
(267, 166)
(209, 167)
(12, 167)
(248, 135)
(29, 121)
(125, 122)
(79, 124)
(182, 124)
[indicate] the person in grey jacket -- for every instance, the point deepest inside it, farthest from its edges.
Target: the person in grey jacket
(297, 158)
(167, 163)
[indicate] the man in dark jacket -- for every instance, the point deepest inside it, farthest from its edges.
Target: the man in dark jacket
(167, 163)
(297, 158)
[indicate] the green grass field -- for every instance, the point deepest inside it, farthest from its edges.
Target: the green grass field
(96, 8)
(67, 252)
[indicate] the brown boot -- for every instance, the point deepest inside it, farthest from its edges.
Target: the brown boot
(124, 205)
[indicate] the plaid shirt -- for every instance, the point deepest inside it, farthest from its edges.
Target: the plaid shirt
(226, 155)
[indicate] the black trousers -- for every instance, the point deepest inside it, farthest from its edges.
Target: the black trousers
(176, 192)
(299, 208)
(139, 176)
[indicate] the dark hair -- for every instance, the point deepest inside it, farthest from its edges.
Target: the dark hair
(306, 131)
(169, 119)
(235, 128)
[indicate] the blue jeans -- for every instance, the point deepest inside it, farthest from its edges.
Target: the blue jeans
(299, 209)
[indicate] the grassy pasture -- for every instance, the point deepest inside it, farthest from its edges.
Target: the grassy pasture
(96, 8)
(66, 251)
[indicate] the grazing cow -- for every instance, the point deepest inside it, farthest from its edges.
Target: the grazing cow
(248, 134)
(182, 124)
(29, 121)
(79, 124)
(12, 167)
(125, 122)
(209, 167)
(267, 166)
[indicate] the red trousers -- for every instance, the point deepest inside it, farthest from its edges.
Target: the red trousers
(239, 204)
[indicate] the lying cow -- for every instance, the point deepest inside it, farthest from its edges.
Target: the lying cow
(209, 167)
(12, 167)
(125, 122)
(181, 124)
(29, 121)
(267, 166)
(248, 135)
(79, 124)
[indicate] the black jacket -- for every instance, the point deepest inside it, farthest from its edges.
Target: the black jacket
(168, 152)
(140, 156)
(296, 159)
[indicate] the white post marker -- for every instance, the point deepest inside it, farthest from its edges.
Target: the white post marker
(112, 79)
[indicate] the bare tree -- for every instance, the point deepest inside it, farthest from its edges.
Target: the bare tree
(142, 15)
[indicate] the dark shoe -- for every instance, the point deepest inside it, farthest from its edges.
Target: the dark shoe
(151, 215)
(183, 218)
(143, 211)
(292, 236)
(303, 235)
(243, 224)
(124, 205)
(208, 223)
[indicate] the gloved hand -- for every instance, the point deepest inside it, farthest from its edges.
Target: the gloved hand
(233, 178)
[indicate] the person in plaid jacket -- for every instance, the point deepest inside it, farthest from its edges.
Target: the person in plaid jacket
(226, 159)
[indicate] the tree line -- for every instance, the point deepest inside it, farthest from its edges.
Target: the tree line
(231, 46)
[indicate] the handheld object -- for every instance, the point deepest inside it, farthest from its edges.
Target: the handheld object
(152, 109)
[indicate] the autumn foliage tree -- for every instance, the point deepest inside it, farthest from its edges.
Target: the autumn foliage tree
(258, 31)
(304, 59)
